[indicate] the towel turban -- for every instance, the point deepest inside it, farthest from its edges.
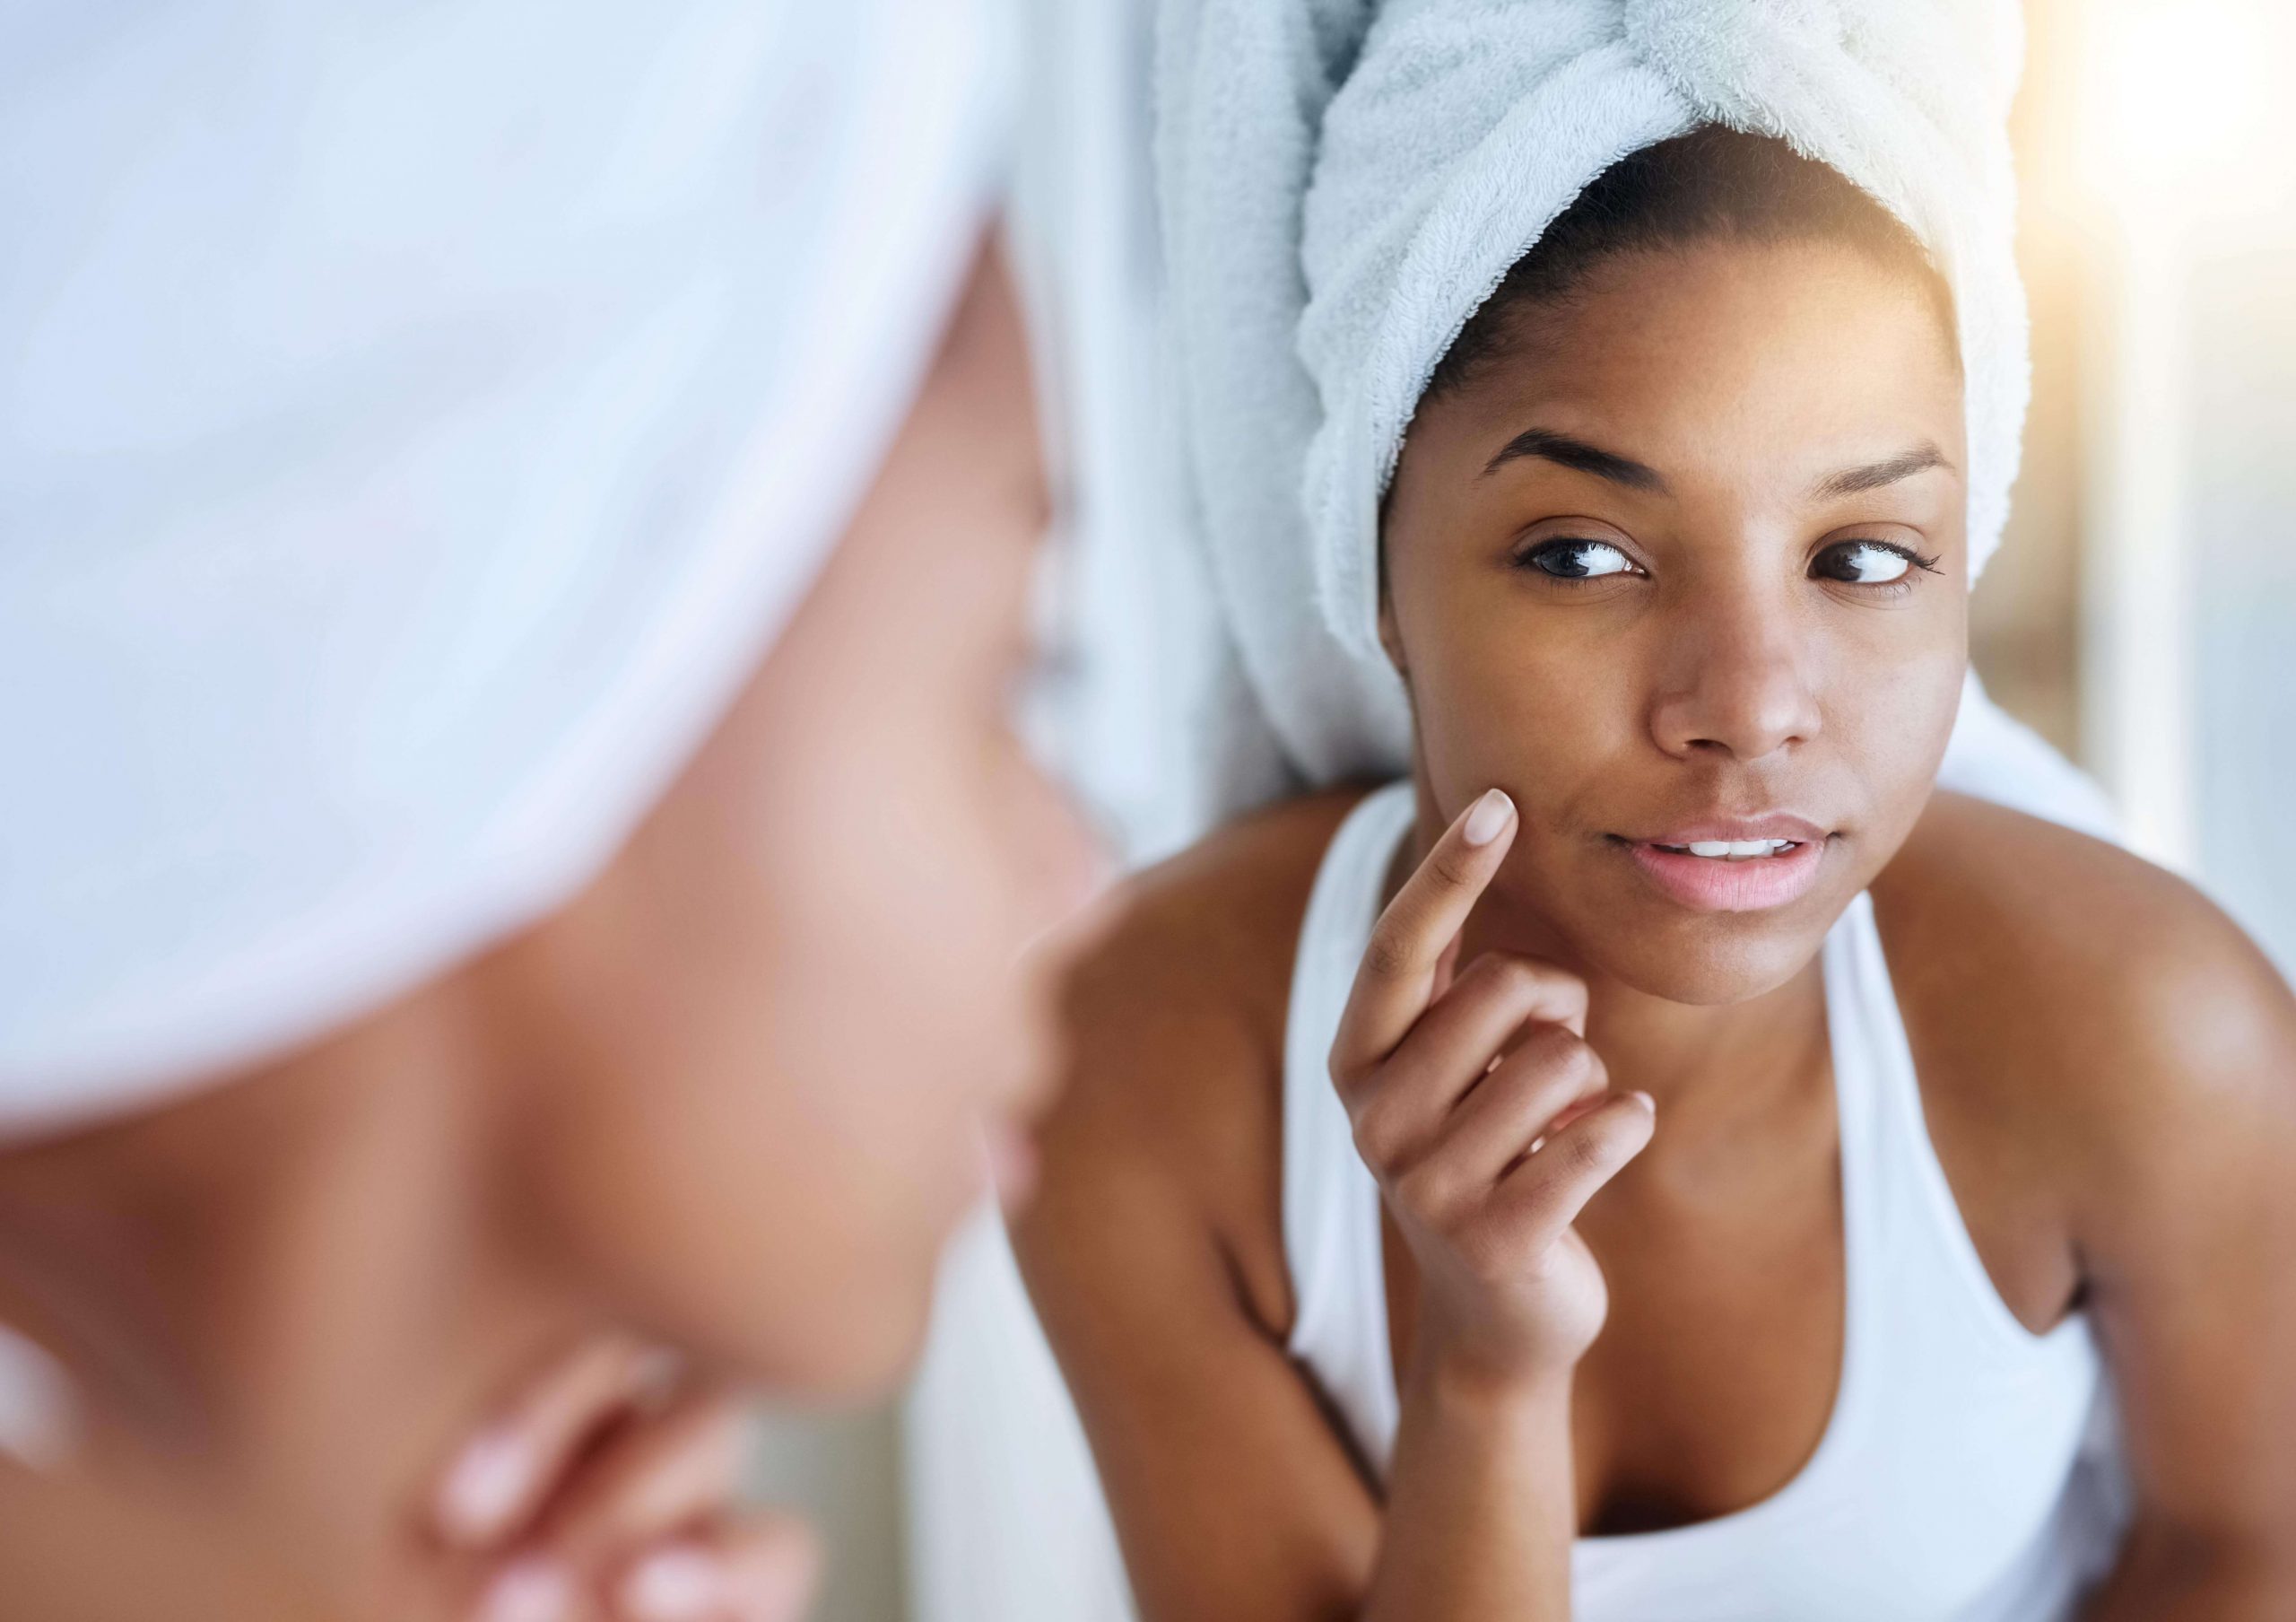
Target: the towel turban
(417, 423)
(1466, 126)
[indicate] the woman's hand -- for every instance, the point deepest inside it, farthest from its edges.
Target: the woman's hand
(606, 1492)
(1486, 1117)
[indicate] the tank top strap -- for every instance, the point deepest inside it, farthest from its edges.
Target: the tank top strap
(1864, 1039)
(1907, 1208)
(1331, 1203)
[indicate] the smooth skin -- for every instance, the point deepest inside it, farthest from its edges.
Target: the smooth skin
(730, 1100)
(1754, 600)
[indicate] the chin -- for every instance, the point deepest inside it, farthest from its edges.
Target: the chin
(1718, 963)
(855, 1347)
(831, 1323)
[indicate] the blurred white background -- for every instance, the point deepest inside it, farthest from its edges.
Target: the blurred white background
(2142, 615)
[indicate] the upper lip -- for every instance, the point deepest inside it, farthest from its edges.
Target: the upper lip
(1773, 824)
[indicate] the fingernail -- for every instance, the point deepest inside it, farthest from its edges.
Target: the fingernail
(1489, 818)
(485, 1488)
(674, 1585)
(528, 1590)
(1647, 1101)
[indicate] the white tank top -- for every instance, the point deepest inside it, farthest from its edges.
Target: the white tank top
(1967, 1473)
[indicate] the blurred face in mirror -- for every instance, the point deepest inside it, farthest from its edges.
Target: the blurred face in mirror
(763, 1064)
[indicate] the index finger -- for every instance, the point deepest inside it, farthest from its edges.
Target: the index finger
(1396, 981)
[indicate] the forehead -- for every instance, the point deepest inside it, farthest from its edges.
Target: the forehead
(1750, 356)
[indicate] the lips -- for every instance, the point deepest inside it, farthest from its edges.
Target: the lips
(1736, 865)
(1775, 824)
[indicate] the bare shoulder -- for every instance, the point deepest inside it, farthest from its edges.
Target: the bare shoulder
(1173, 1028)
(2073, 1000)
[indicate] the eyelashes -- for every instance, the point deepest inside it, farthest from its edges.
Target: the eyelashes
(1863, 562)
(1576, 560)
(1856, 556)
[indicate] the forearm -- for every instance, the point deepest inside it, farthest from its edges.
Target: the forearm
(1482, 1506)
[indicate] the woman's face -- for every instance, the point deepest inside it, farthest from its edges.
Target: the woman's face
(1688, 565)
(767, 1049)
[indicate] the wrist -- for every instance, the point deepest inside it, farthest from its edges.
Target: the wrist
(1480, 1390)
(1506, 1430)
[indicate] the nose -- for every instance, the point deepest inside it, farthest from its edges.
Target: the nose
(1738, 682)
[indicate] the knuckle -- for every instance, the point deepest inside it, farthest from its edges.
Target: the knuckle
(1451, 865)
(1378, 1133)
(1388, 955)
(1608, 1138)
(1532, 1101)
(1535, 980)
(1554, 1050)
(1424, 1189)
(1516, 979)
(1586, 1152)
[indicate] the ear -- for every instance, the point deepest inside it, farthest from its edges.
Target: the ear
(1390, 639)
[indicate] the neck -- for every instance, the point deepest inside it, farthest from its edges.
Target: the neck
(1712, 1066)
(277, 1302)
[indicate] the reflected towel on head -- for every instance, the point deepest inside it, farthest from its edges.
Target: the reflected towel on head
(418, 423)
(1345, 182)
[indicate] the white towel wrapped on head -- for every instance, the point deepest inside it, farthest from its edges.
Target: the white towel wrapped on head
(418, 423)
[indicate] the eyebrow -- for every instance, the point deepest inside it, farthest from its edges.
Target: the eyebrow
(1872, 476)
(1561, 448)
(1565, 451)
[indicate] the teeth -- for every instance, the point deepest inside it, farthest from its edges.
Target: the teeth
(1735, 850)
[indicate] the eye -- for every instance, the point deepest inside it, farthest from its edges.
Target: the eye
(1869, 563)
(1577, 560)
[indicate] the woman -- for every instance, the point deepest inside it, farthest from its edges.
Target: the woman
(1660, 1160)
(509, 650)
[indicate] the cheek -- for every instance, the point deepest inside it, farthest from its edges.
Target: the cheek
(779, 1042)
(765, 1163)
(1529, 703)
(1889, 703)
(900, 960)
(898, 954)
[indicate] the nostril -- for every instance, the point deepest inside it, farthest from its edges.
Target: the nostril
(1736, 710)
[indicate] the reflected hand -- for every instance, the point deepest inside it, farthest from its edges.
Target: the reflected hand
(606, 1492)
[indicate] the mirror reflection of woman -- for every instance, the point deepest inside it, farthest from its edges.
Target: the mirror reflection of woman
(1663, 1159)
(515, 859)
